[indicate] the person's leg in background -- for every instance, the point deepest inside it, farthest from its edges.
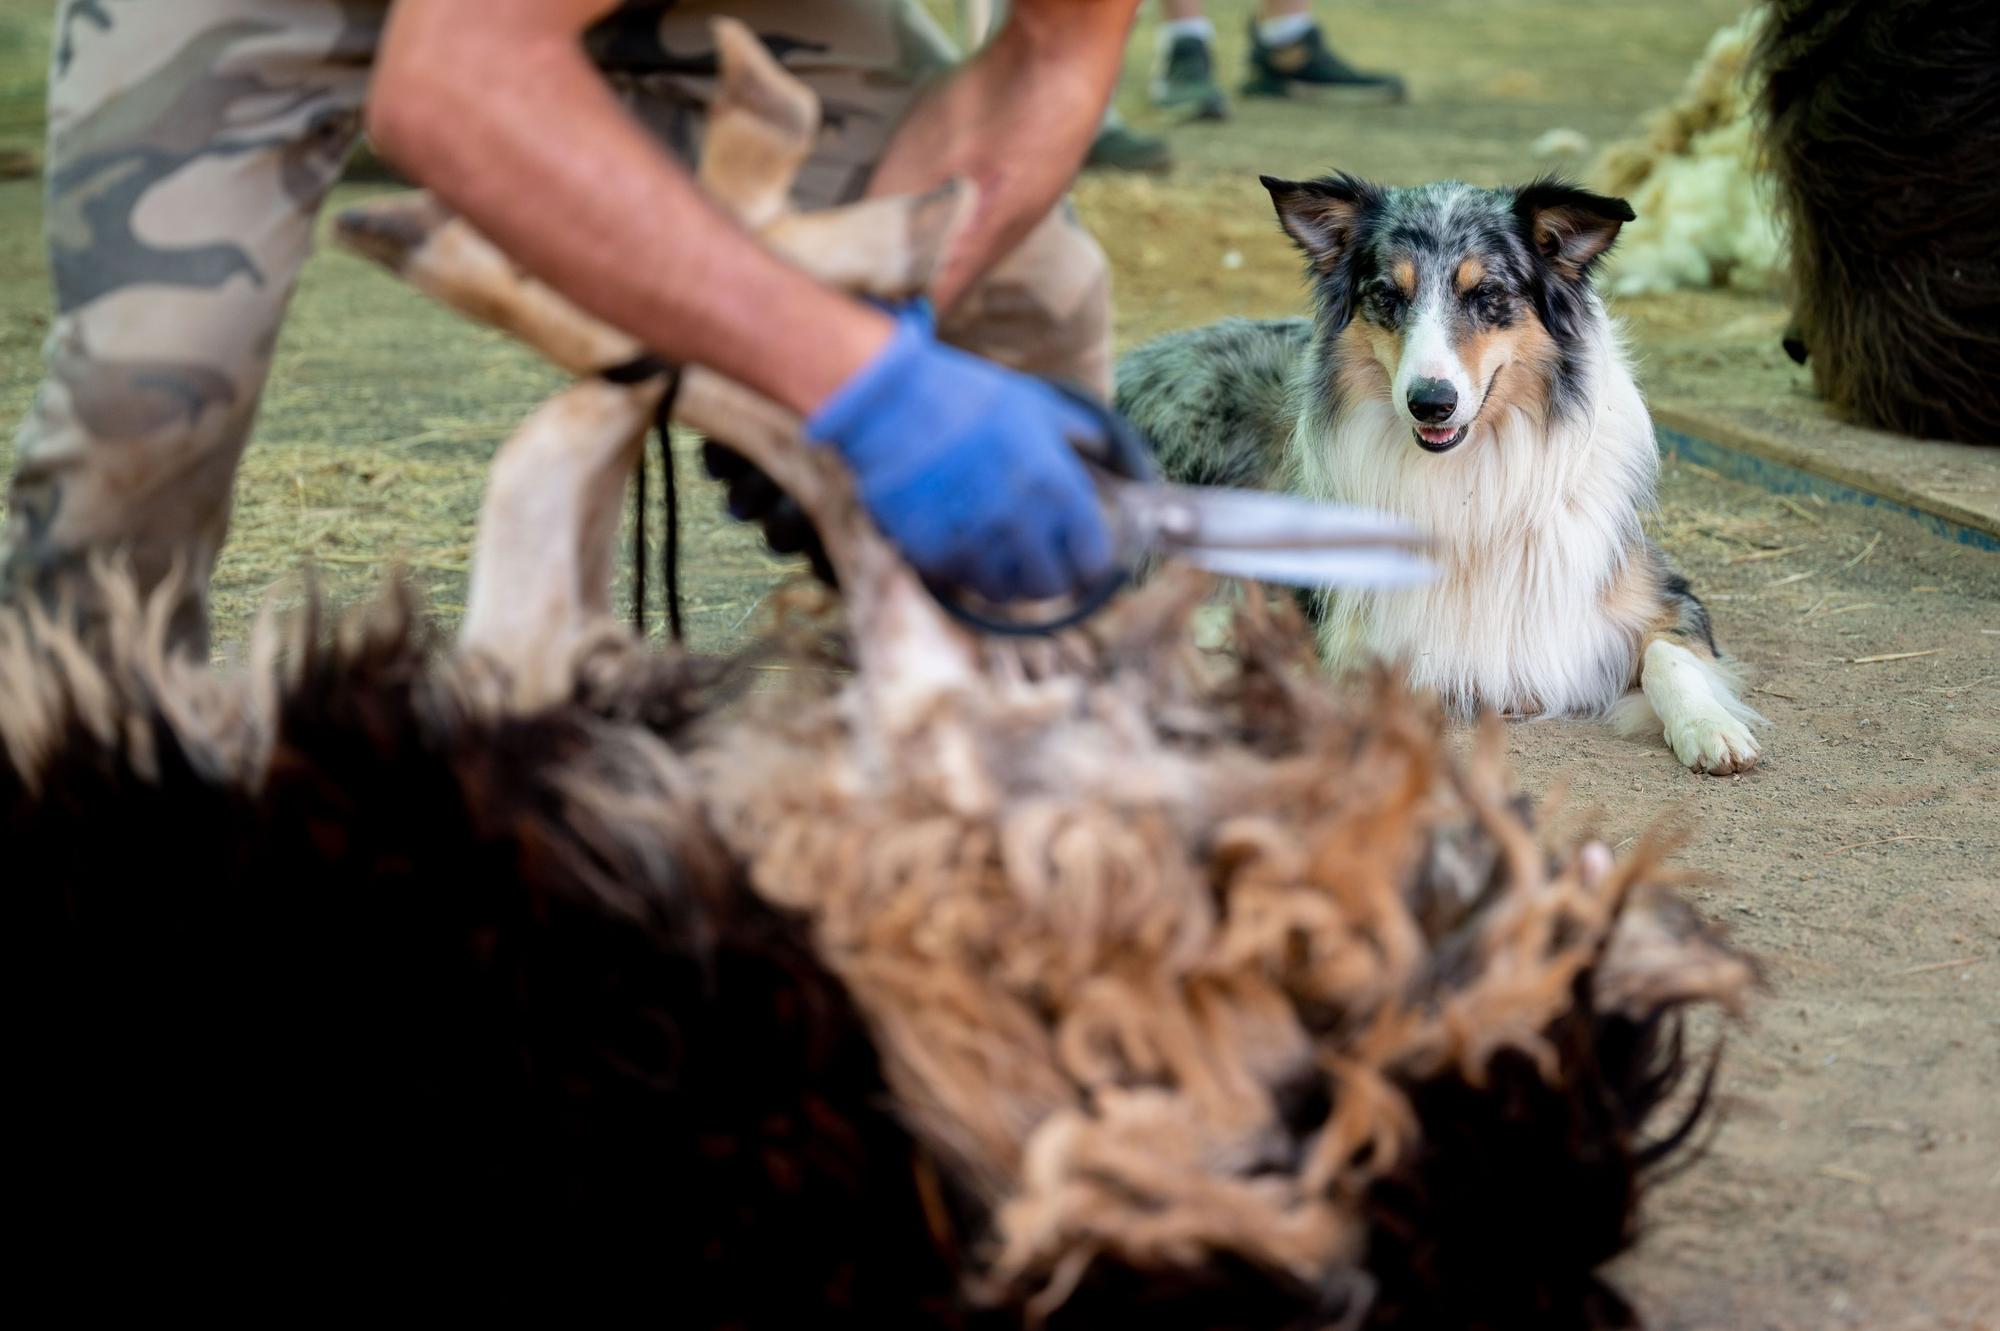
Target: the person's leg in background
(1288, 49)
(190, 146)
(1186, 81)
(1118, 147)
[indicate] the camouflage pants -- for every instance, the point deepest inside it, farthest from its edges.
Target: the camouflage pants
(191, 145)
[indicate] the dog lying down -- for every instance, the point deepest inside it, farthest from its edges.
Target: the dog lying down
(1460, 371)
(974, 984)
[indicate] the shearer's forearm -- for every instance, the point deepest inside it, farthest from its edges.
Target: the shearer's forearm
(493, 105)
(1017, 119)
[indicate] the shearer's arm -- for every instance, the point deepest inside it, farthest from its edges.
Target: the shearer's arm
(1017, 119)
(967, 467)
(494, 106)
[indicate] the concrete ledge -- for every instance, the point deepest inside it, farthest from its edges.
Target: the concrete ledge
(1952, 489)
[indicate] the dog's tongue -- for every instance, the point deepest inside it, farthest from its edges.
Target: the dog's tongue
(1432, 436)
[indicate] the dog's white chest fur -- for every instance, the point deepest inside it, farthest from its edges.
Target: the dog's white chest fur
(1532, 523)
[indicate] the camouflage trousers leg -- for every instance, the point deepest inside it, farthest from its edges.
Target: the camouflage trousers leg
(190, 148)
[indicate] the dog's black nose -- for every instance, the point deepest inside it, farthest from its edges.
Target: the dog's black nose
(1432, 401)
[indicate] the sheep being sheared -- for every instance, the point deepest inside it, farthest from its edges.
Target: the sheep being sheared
(1200, 995)
(1063, 982)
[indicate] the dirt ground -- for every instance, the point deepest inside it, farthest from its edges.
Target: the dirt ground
(1855, 1181)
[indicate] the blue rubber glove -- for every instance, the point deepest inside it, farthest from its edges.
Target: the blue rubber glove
(911, 309)
(968, 468)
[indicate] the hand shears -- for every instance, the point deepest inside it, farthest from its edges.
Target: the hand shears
(1254, 534)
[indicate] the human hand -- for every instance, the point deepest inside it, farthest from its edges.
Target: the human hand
(969, 468)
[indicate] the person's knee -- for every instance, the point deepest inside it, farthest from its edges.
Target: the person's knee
(126, 459)
(155, 403)
(117, 450)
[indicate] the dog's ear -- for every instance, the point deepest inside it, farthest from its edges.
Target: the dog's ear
(1570, 227)
(1322, 215)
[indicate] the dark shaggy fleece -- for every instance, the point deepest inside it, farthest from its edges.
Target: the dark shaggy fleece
(384, 988)
(1882, 122)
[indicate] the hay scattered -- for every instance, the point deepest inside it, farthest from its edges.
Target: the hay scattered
(1892, 656)
(1866, 551)
(1758, 555)
(1956, 963)
(352, 510)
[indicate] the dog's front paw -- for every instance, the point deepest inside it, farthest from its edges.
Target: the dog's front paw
(1715, 743)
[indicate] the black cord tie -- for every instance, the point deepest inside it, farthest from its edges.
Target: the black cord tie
(639, 370)
(1088, 602)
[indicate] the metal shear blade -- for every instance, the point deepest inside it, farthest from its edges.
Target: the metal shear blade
(1251, 534)
(1267, 537)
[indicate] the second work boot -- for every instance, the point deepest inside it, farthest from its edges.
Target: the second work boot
(1307, 61)
(1186, 81)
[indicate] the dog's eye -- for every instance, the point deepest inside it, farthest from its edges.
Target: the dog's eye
(1383, 302)
(1486, 301)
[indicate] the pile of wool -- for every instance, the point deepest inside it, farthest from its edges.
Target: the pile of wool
(1697, 180)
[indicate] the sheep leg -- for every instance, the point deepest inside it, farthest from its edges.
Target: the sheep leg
(532, 600)
(419, 240)
(761, 128)
(886, 248)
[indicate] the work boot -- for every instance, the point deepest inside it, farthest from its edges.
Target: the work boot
(1122, 148)
(1187, 81)
(1274, 69)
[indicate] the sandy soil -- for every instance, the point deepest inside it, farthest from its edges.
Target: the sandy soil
(1855, 1181)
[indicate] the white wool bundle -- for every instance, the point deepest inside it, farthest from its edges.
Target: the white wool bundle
(1696, 179)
